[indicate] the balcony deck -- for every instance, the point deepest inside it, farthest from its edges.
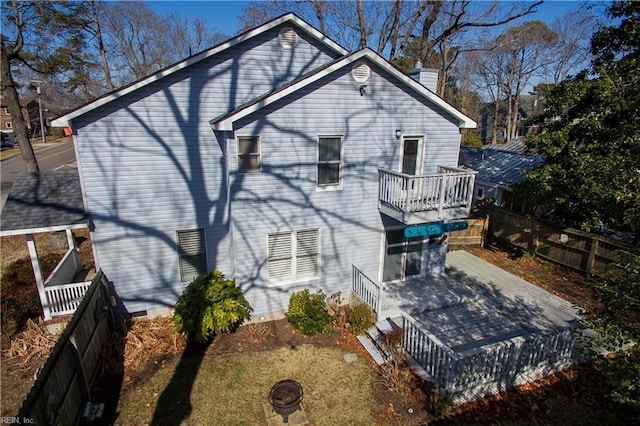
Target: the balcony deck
(446, 195)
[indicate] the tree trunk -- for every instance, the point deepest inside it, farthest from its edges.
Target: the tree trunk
(103, 52)
(494, 130)
(361, 25)
(319, 8)
(13, 105)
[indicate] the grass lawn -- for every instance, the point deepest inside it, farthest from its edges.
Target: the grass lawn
(230, 389)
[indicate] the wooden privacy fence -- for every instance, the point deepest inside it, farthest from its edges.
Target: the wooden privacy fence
(570, 247)
(489, 369)
(474, 235)
(65, 381)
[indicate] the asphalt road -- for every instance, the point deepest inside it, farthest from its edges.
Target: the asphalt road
(51, 157)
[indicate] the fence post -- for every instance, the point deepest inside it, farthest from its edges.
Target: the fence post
(591, 260)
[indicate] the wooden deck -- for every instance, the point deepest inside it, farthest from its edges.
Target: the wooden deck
(477, 330)
(476, 304)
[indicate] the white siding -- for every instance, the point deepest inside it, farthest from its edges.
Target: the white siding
(150, 164)
(284, 197)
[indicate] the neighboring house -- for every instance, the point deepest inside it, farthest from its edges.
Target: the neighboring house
(529, 106)
(498, 167)
(275, 157)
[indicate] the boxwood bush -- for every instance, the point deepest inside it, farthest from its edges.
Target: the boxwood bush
(307, 312)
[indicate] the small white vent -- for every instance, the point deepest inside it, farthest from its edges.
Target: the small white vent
(360, 73)
(287, 38)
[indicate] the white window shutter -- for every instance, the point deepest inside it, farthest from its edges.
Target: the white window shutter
(280, 256)
(307, 253)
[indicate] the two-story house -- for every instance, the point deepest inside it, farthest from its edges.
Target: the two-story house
(277, 157)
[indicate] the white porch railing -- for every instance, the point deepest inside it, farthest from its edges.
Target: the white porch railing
(491, 368)
(366, 289)
(449, 188)
(64, 299)
(59, 295)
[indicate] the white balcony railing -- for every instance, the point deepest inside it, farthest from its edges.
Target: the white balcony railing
(449, 190)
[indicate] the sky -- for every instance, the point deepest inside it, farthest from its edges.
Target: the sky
(223, 15)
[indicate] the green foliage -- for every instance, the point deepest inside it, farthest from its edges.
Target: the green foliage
(361, 317)
(307, 312)
(618, 324)
(590, 136)
(20, 301)
(209, 305)
(471, 138)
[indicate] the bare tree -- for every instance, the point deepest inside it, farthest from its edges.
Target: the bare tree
(96, 8)
(572, 51)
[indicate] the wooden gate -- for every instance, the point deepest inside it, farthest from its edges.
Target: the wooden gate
(65, 381)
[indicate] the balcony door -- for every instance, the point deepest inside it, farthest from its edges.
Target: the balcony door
(411, 150)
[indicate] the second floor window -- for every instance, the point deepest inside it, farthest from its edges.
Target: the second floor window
(248, 154)
(330, 162)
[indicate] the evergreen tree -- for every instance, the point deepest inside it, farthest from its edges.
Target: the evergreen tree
(590, 135)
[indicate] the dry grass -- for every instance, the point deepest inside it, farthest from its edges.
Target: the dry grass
(34, 342)
(230, 389)
(144, 339)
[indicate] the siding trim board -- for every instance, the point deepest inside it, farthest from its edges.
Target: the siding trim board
(290, 18)
(225, 122)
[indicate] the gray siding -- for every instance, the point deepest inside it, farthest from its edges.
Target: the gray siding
(150, 164)
(284, 197)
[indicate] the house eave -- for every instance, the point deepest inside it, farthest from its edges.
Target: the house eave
(225, 123)
(65, 120)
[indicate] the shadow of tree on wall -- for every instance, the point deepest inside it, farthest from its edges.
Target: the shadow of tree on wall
(193, 187)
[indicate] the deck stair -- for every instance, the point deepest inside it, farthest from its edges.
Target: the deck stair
(373, 341)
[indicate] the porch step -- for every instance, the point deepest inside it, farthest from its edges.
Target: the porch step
(368, 344)
(374, 342)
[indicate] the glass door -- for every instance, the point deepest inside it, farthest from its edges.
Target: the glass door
(402, 256)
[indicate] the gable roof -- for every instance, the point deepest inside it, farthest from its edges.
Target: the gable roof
(497, 166)
(225, 122)
(43, 202)
(289, 18)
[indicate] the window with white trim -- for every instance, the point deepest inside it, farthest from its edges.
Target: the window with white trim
(248, 154)
(8, 125)
(294, 255)
(330, 153)
(192, 254)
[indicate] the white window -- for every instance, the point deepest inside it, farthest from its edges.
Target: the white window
(248, 154)
(8, 125)
(330, 153)
(192, 254)
(479, 193)
(294, 255)
(6, 111)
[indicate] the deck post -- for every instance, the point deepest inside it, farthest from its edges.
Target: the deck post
(70, 240)
(37, 272)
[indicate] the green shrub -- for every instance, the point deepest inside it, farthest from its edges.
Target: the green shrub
(209, 305)
(307, 312)
(361, 317)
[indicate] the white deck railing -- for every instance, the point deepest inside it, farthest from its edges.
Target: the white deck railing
(64, 299)
(366, 289)
(491, 368)
(450, 188)
(61, 295)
